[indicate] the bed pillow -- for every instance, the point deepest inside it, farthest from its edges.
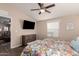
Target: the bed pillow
(34, 42)
(75, 45)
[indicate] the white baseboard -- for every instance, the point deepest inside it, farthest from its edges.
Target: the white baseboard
(14, 46)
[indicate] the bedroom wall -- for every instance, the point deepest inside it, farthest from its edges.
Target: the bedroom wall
(17, 17)
(41, 30)
(63, 33)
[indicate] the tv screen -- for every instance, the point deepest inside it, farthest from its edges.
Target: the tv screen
(28, 24)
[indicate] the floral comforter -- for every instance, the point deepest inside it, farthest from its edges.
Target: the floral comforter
(48, 47)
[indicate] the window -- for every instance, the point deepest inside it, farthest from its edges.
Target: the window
(53, 28)
(5, 28)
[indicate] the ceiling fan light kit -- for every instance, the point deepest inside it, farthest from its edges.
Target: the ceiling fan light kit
(42, 10)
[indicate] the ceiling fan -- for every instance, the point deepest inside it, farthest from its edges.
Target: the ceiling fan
(43, 8)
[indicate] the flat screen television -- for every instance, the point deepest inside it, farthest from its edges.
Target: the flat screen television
(28, 24)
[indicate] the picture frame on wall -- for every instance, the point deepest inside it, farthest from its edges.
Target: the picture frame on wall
(70, 26)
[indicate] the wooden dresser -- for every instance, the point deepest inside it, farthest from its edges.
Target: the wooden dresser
(28, 38)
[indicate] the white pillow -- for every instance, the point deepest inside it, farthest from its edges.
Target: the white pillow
(36, 41)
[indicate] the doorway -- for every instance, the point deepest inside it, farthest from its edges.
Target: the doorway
(5, 33)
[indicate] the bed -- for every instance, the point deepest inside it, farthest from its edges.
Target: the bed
(49, 47)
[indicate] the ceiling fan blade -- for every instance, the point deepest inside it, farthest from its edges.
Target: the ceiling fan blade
(39, 13)
(50, 6)
(34, 9)
(47, 11)
(41, 5)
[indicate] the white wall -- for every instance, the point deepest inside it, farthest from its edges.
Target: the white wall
(17, 17)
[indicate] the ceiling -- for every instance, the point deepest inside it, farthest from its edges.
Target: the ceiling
(61, 9)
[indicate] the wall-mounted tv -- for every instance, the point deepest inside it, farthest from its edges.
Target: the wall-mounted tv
(28, 24)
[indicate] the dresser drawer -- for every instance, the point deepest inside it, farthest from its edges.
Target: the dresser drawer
(28, 38)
